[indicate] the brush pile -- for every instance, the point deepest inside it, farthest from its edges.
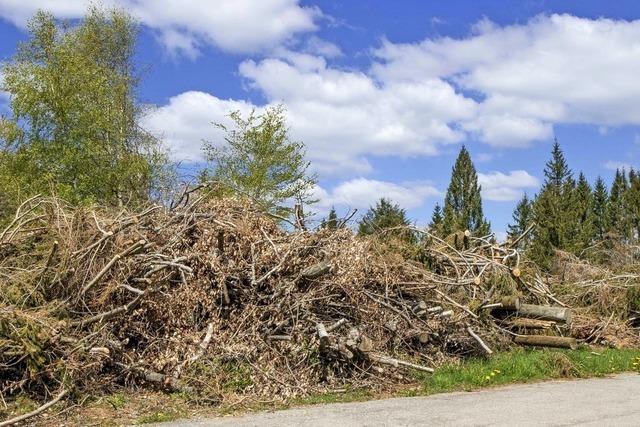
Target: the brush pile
(215, 298)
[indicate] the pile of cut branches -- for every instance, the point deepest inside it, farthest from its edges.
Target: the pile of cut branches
(215, 298)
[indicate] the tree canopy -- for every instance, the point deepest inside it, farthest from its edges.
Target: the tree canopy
(260, 160)
(463, 202)
(74, 126)
(384, 216)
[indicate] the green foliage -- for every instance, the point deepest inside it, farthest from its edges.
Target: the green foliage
(522, 219)
(584, 215)
(437, 221)
(74, 126)
(633, 203)
(261, 161)
(383, 216)
(554, 210)
(617, 214)
(600, 203)
(463, 202)
(331, 222)
(159, 417)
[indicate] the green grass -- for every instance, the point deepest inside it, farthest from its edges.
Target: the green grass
(522, 366)
(117, 400)
(158, 417)
(518, 366)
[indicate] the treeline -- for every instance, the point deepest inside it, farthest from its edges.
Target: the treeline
(462, 207)
(74, 132)
(567, 214)
(574, 216)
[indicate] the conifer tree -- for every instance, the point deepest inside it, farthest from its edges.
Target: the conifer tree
(633, 202)
(522, 219)
(600, 202)
(584, 214)
(331, 222)
(617, 215)
(554, 209)
(435, 226)
(385, 215)
(463, 202)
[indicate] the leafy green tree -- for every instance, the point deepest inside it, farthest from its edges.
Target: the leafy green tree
(463, 202)
(554, 210)
(522, 220)
(600, 209)
(383, 216)
(618, 214)
(259, 160)
(437, 220)
(74, 126)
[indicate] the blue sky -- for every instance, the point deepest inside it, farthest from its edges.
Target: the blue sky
(385, 93)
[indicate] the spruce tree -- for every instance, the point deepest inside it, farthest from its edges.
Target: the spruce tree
(554, 209)
(331, 222)
(584, 214)
(633, 202)
(383, 216)
(437, 219)
(600, 209)
(463, 202)
(617, 214)
(522, 219)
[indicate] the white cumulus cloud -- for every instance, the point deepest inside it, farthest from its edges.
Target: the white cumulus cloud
(232, 25)
(188, 119)
(361, 193)
(552, 69)
(501, 187)
(615, 165)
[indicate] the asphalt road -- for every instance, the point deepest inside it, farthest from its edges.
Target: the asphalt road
(611, 401)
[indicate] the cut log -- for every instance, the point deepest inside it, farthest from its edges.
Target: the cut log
(511, 303)
(529, 323)
(545, 312)
(444, 314)
(436, 309)
(323, 335)
(415, 334)
(336, 325)
(391, 325)
(546, 341)
(365, 345)
(316, 270)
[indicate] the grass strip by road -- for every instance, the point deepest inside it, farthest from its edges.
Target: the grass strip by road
(514, 367)
(526, 365)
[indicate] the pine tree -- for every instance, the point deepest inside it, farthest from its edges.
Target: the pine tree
(600, 209)
(463, 202)
(437, 219)
(331, 222)
(633, 202)
(554, 209)
(584, 214)
(617, 215)
(383, 216)
(522, 219)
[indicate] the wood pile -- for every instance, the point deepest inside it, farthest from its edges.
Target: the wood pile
(215, 298)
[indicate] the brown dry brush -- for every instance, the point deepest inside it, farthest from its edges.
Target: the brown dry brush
(215, 298)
